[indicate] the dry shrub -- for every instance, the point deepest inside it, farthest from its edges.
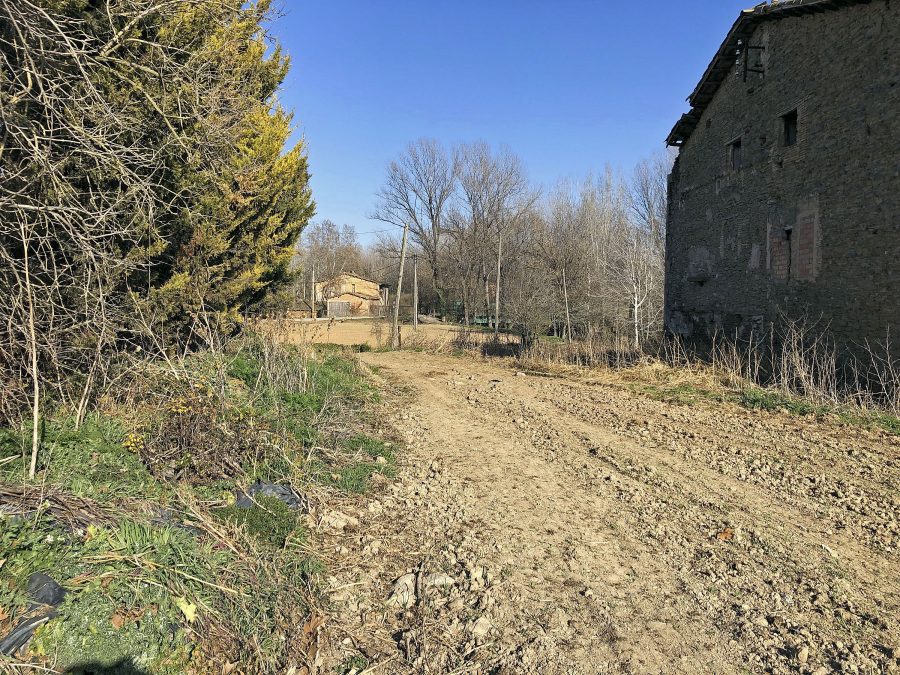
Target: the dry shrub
(420, 341)
(282, 367)
(193, 441)
(461, 338)
(800, 358)
(595, 349)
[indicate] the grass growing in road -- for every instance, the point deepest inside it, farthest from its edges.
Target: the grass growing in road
(681, 392)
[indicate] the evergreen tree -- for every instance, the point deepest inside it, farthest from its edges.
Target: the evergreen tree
(231, 245)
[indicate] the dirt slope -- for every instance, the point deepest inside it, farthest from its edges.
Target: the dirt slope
(549, 526)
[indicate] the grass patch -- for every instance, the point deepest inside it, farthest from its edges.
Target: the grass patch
(766, 399)
(270, 520)
(371, 447)
(122, 589)
(163, 598)
(357, 478)
(681, 392)
(97, 460)
(890, 423)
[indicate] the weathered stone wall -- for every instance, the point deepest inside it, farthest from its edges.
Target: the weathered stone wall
(811, 229)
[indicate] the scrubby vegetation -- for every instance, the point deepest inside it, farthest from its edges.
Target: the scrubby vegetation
(163, 569)
(800, 373)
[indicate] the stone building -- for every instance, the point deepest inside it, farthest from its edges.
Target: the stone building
(351, 295)
(785, 197)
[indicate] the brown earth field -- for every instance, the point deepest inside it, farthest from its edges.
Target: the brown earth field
(570, 525)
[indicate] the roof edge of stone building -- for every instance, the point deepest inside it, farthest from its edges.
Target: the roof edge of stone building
(728, 52)
(338, 275)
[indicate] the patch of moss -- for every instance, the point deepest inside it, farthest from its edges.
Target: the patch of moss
(270, 520)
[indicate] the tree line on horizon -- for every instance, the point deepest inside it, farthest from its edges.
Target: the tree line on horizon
(495, 250)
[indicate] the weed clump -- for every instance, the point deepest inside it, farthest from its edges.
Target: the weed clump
(269, 520)
(169, 594)
(121, 584)
(198, 441)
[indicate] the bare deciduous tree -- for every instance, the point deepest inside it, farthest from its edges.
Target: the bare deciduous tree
(324, 251)
(495, 194)
(586, 260)
(417, 189)
(647, 195)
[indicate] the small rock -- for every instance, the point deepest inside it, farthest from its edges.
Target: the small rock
(802, 655)
(335, 520)
(439, 580)
(380, 460)
(481, 628)
(404, 593)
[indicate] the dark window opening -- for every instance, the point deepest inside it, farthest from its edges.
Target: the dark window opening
(734, 155)
(789, 123)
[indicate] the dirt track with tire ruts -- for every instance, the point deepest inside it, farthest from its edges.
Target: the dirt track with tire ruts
(583, 528)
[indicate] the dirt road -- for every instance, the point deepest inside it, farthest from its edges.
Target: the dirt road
(545, 525)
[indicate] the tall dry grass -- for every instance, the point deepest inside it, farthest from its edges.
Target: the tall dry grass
(794, 358)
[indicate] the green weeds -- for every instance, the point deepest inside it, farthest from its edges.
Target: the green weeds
(121, 588)
(165, 597)
(269, 520)
(757, 398)
(95, 460)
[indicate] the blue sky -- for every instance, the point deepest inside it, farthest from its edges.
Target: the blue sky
(569, 85)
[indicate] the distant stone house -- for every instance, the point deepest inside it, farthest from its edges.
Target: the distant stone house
(351, 295)
(785, 196)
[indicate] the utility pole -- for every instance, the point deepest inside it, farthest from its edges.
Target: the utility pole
(497, 291)
(416, 291)
(395, 326)
(568, 316)
(313, 303)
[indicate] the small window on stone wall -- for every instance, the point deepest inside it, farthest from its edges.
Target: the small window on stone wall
(734, 155)
(789, 127)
